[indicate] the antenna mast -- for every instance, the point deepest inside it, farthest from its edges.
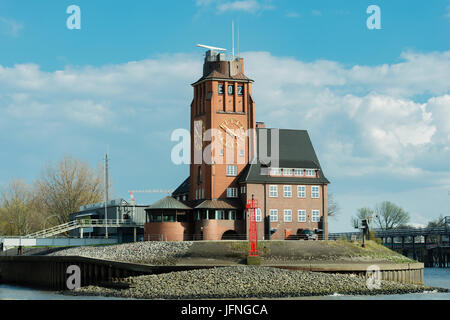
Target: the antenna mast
(106, 195)
(232, 34)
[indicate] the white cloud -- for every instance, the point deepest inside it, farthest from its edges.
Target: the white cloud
(249, 6)
(364, 120)
(10, 27)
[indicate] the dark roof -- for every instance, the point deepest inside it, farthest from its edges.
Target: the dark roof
(216, 75)
(183, 188)
(219, 204)
(295, 151)
(168, 203)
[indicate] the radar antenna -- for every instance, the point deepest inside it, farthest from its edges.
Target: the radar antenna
(211, 48)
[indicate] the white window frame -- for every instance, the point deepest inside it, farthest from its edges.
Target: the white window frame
(315, 215)
(232, 193)
(315, 194)
(258, 215)
(231, 171)
(273, 213)
(301, 213)
(310, 172)
(287, 191)
(243, 190)
(275, 171)
(285, 215)
(299, 172)
(301, 192)
(273, 193)
(287, 172)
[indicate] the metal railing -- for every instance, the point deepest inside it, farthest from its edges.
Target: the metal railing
(87, 223)
(232, 236)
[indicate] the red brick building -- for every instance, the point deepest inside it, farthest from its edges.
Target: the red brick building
(234, 158)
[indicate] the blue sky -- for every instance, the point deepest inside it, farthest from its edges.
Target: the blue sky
(375, 102)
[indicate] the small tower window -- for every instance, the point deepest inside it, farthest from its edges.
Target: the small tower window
(220, 89)
(240, 90)
(230, 89)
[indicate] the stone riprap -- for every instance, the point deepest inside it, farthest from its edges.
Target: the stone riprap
(243, 282)
(147, 252)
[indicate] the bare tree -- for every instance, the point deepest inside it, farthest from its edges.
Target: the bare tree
(438, 222)
(333, 206)
(17, 215)
(390, 216)
(362, 213)
(67, 185)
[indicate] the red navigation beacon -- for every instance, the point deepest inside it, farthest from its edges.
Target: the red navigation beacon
(251, 207)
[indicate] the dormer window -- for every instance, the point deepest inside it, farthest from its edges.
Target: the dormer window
(275, 171)
(310, 173)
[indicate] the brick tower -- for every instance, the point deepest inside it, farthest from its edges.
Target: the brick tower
(223, 108)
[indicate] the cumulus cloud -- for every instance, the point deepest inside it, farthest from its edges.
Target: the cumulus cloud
(364, 120)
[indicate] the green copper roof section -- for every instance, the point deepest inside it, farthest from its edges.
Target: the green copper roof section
(168, 203)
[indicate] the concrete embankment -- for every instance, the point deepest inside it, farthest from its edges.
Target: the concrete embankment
(100, 265)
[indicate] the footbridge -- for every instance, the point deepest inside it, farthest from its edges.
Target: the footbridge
(48, 237)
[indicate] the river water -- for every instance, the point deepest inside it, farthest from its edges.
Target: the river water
(434, 277)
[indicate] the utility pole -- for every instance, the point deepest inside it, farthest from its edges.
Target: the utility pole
(106, 195)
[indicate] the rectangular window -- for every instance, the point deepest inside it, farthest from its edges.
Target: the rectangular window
(275, 171)
(310, 173)
(232, 215)
(287, 191)
(220, 90)
(240, 90)
(299, 172)
(241, 152)
(315, 216)
(220, 215)
(301, 191)
(232, 192)
(315, 192)
(203, 194)
(221, 152)
(273, 191)
(301, 215)
(287, 172)
(243, 190)
(196, 194)
(231, 171)
(273, 215)
(287, 215)
(258, 215)
(230, 89)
